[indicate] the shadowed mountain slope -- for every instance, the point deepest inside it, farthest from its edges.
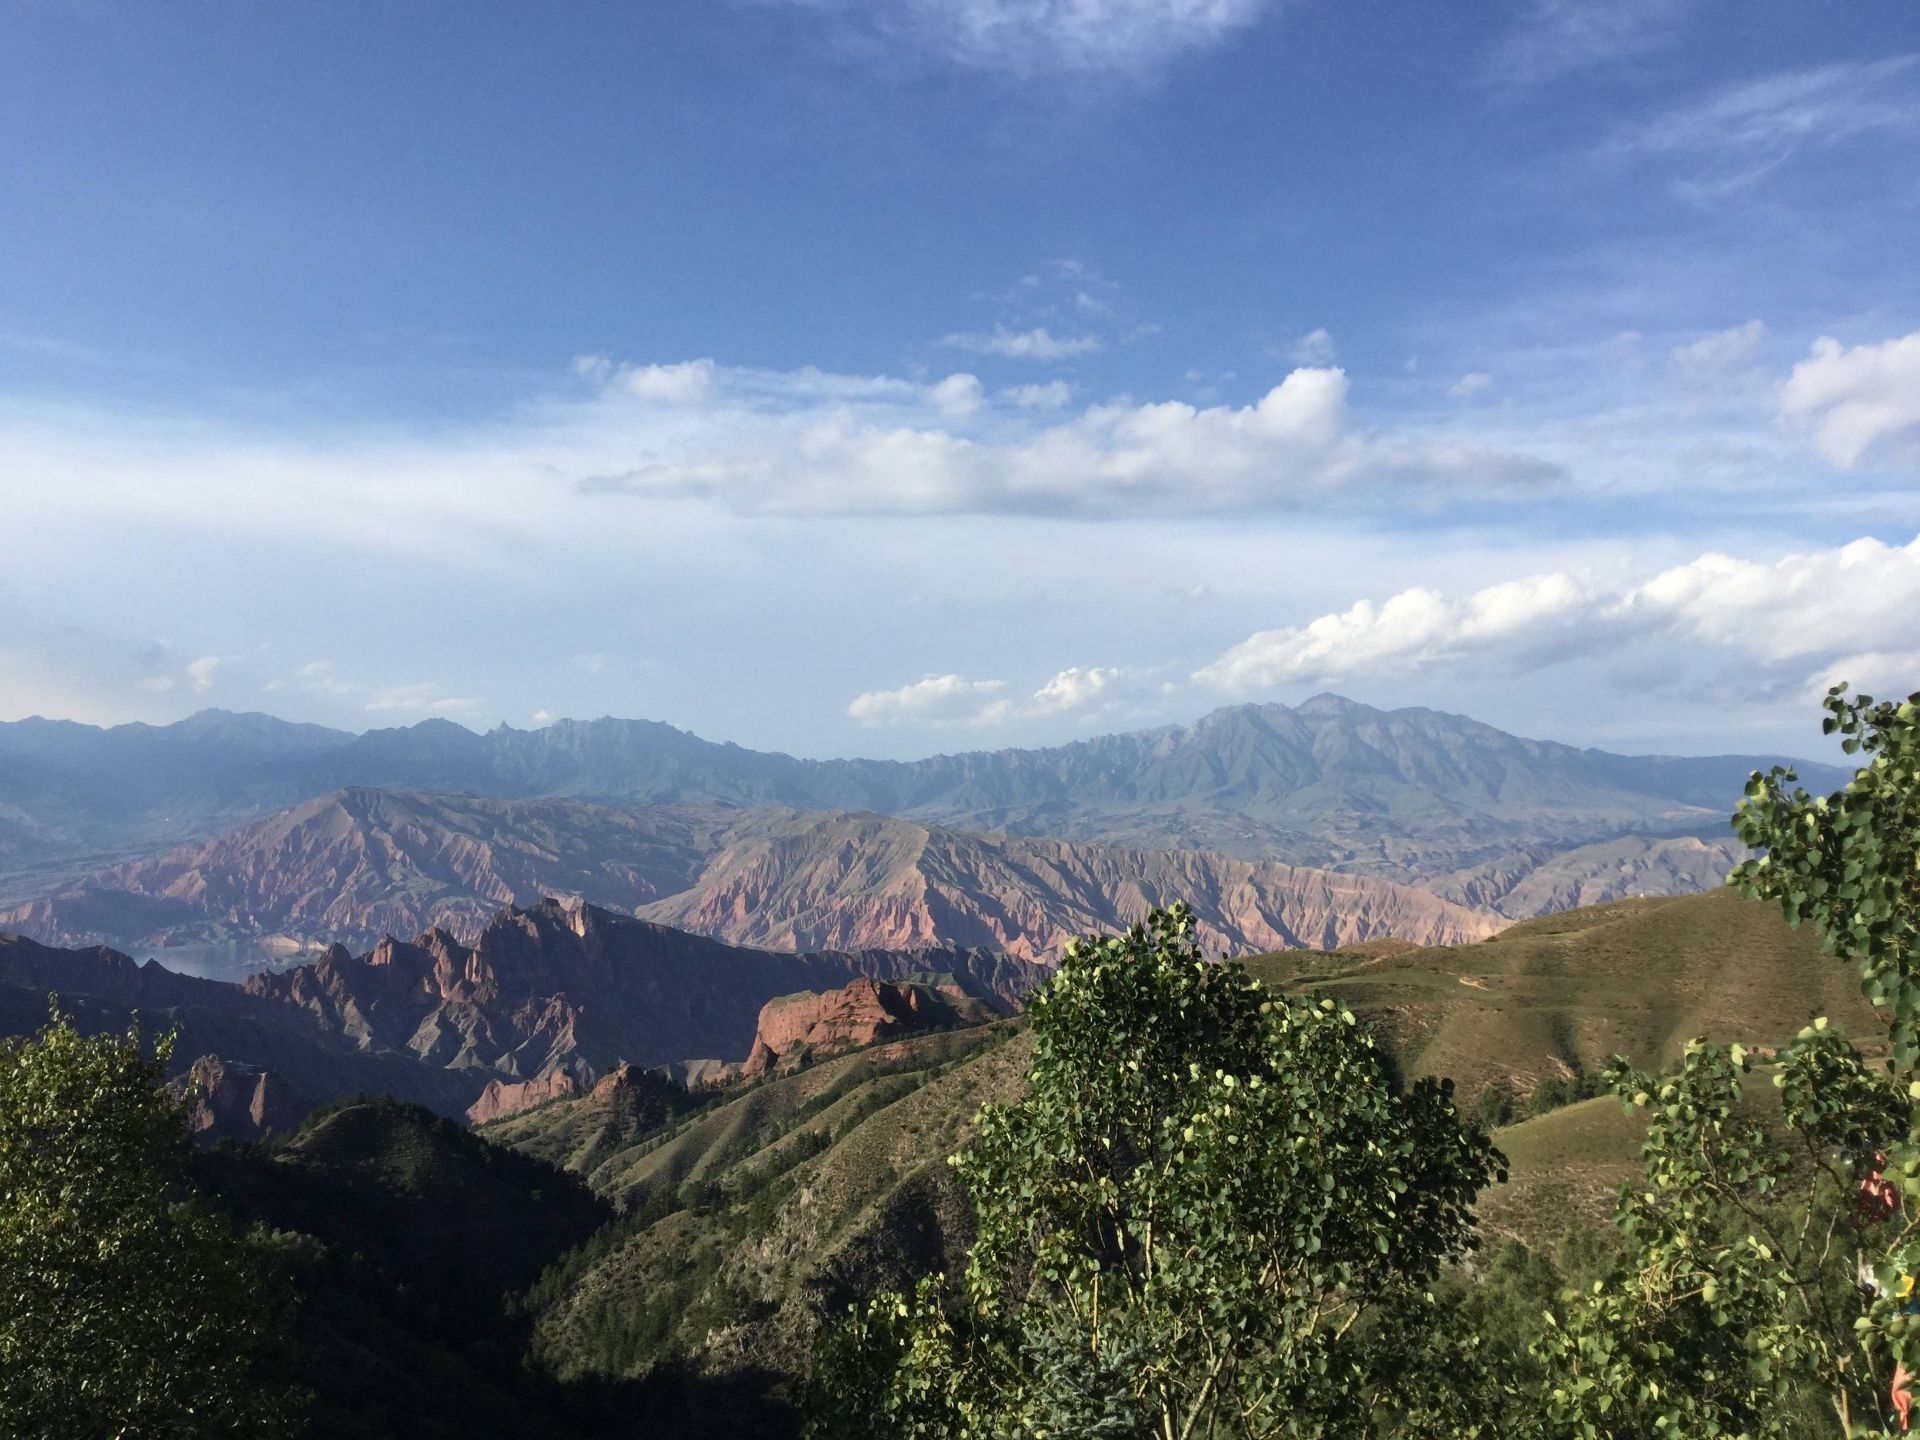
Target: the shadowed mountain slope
(556, 988)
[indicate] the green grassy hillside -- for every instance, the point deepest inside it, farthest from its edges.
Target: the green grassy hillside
(748, 1219)
(1634, 977)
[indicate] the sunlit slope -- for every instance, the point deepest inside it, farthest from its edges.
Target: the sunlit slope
(766, 1208)
(751, 1218)
(1636, 977)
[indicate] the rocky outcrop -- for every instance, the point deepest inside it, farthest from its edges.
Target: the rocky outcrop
(509, 1097)
(796, 1028)
(230, 1101)
(566, 986)
(559, 988)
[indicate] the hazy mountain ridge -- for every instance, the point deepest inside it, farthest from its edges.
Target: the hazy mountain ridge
(1411, 794)
(358, 865)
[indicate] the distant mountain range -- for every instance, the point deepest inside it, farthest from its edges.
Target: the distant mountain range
(356, 865)
(1414, 796)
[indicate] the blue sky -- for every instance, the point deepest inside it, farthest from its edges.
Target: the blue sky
(882, 376)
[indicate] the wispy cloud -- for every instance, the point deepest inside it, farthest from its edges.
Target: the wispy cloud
(1736, 137)
(1316, 347)
(1553, 38)
(934, 700)
(1039, 343)
(1033, 37)
(953, 700)
(424, 698)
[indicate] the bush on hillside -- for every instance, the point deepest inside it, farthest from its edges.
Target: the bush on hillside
(1215, 1212)
(125, 1307)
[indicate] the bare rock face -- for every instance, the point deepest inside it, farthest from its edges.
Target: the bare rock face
(227, 1100)
(796, 1028)
(860, 882)
(563, 986)
(509, 1097)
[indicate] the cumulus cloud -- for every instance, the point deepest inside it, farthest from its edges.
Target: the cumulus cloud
(1294, 445)
(957, 396)
(1030, 36)
(687, 383)
(1799, 619)
(1039, 343)
(935, 700)
(424, 698)
(1856, 398)
(202, 672)
(1469, 385)
(1090, 688)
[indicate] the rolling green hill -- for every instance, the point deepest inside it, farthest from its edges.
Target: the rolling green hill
(770, 1207)
(1634, 977)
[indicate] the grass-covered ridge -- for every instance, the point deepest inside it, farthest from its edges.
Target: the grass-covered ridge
(749, 1217)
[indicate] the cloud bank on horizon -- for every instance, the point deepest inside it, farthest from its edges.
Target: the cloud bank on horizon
(1013, 369)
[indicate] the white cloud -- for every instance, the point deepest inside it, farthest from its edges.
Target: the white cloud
(317, 678)
(1795, 621)
(1029, 36)
(1855, 398)
(1293, 445)
(948, 700)
(1038, 343)
(1738, 136)
(957, 396)
(1557, 37)
(689, 382)
(543, 718)
(424, 698)
(1053, 395)
(1469, 385)
(1316, 347)
(935, 700)
(1092, 687)
(1717, 356)
(201, 673)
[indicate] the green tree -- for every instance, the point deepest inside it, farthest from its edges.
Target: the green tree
(1214, 1213)
(125, 1308)
(1736, 1307)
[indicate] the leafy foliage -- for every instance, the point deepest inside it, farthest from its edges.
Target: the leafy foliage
(1737, 1306)
(126, 1308)
(1214, 1212)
